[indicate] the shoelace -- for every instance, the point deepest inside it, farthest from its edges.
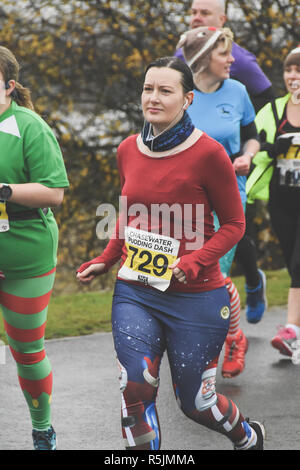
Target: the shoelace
(42, 439)
(232, 348)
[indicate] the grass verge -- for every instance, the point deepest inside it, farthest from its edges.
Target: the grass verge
(82, 313)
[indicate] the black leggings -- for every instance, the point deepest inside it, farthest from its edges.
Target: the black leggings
(245, 255)
(284, 207)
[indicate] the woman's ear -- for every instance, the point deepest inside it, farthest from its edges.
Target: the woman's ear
(189, 97)
(10, 85)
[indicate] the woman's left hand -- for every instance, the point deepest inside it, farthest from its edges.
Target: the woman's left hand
(178, 273)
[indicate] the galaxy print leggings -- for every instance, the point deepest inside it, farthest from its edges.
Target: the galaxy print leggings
(24, 305)
(191, 328)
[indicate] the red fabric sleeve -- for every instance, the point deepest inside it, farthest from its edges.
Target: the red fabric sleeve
(223, 193)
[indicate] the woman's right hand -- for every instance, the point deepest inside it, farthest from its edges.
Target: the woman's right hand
(88, 274)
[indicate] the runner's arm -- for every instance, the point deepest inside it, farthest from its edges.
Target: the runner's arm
(36, 195)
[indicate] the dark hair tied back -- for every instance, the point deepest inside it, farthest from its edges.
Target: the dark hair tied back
(176, 64)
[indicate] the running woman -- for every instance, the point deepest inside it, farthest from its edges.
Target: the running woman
(223, 109)
(170, 294)
(32, 175)
(279, 165)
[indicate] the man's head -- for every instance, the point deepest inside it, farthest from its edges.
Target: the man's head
(207, 13)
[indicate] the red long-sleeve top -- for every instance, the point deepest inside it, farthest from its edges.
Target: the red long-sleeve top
(201, 174)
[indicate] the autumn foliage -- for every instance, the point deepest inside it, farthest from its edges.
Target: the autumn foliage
(84, 62)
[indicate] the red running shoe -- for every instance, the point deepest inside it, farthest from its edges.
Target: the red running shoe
(234, 358)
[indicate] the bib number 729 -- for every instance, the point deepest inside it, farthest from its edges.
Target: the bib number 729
(146, 262)
(149, 256)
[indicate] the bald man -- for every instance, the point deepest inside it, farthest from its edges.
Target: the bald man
(245, 68)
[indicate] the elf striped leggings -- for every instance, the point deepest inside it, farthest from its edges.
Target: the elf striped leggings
(24, 305)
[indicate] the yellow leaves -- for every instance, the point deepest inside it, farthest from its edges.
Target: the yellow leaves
(132, 29)
(7, 32)
(89, 29)
(134, 60)
(53, 72)
(65, 138)
(266, 235)
(288, 47)
(261, 57)
(84, 172)
(269, 63)
(258, 220)
(106, 168)
(272, 13)
(116, 57)
(47, 45)
(79, 12)
(63, 28)
(38, 46)
(146, 56)
(117, 123)
(70, 106)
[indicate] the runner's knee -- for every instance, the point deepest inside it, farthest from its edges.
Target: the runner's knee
(206, 396)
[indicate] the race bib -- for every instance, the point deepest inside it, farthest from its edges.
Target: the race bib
(4, 222)
(289, 173)
(288, 163)
(149, 256)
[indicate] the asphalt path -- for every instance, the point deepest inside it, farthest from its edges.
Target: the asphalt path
(86, 397)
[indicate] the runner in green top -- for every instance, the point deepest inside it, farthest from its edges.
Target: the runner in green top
(32, 178)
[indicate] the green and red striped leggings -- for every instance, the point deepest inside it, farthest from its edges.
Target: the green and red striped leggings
(24, 305)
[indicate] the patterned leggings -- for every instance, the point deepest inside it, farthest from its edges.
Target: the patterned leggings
(191, 328)
(24, 305)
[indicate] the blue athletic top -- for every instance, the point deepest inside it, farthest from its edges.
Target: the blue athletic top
(221, 114)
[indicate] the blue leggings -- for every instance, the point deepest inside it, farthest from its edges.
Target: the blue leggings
(192, 329)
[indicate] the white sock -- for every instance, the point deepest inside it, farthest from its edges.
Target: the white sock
(295, 328)
(248, 442)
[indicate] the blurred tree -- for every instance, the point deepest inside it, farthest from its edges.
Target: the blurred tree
(269, 29)
(84, 62)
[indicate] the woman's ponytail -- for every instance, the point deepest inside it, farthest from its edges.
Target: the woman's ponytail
(22, 96)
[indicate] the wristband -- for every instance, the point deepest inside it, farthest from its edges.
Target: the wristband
(5, 192)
